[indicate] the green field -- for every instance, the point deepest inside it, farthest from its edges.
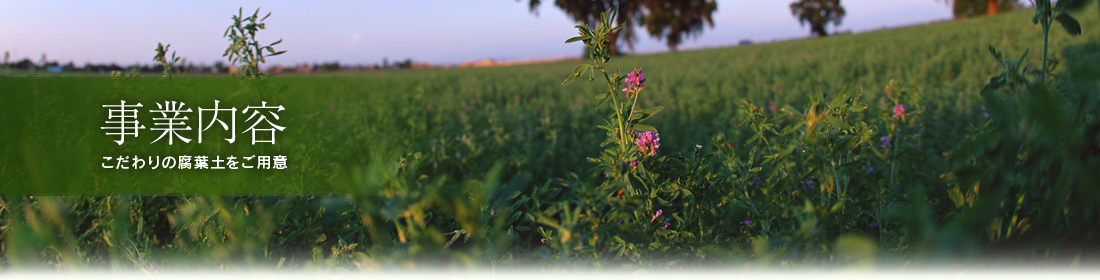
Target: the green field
(488, 168)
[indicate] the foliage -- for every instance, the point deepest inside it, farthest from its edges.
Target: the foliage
(166, 62)
(1030, 157)
(672, 21)
(818, 13)
(243, 46)
(973, 8)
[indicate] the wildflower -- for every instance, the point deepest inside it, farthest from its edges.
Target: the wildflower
(666, 224)
(634, 165)
(874, 224)
(808, 184)
(771, 107)
(899, 111)
(746, 222)
(697, 146)
(656, 215)
(870, 170)
(647, 142)
(755, 181)
(885, 142)
(634, 82)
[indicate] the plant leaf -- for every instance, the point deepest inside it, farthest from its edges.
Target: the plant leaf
(645, 114)
(578, 38)
(840, 98)
(859, 107)
(642, 127)
(604, 99)
(837, 122)
(576, 73)
(1069, 23)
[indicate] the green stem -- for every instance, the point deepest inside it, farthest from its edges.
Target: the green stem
(1046, 37)
(618, 112)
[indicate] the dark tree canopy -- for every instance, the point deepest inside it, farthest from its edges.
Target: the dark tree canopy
(671, 21)
(973, 8)
(818, 13)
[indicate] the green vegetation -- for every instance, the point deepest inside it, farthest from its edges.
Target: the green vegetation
(883, 148)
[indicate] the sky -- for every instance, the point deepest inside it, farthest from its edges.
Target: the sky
(366, 32)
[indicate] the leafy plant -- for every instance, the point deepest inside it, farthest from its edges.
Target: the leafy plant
(166, 62)
(1045, 15)
(624, 129)
(243, 46)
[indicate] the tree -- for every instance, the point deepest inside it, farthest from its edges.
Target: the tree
(818, 13)
(671, 21)
(972, 8)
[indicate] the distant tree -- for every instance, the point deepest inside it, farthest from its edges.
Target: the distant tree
(669, 20)
(25, 64)
(818, 13)
(972, 8)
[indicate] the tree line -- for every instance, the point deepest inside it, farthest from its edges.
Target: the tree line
(673, 21)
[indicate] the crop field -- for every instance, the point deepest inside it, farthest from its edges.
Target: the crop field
(890, 149)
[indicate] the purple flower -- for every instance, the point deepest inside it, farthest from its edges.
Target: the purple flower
(885, 142)
(746, 222)
(634, 82)
(755, 181)
(873, 225)
(656, 215)
(870, 170)
(647, 142)
(665, 226)
(899, 111)
(808, 184)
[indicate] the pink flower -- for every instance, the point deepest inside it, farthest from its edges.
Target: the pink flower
(634, 82)
(656, 215)
(746, 222)
(634, 165)
(899, 111)
(647, 142)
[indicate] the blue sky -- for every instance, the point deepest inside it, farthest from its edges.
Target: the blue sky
(353, 32)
